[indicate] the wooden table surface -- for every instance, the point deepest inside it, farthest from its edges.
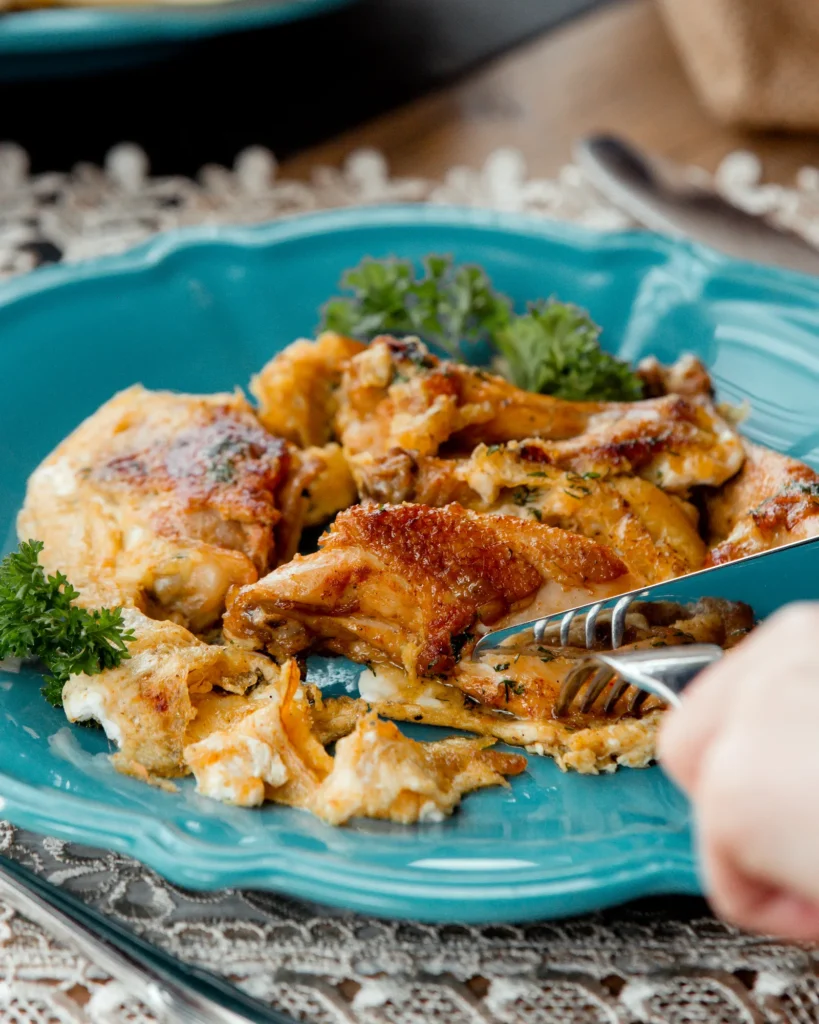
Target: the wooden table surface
(612, 70)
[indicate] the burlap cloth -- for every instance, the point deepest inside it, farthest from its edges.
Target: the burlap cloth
(753, 62)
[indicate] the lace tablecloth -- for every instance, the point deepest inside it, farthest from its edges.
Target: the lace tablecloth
(658, 962)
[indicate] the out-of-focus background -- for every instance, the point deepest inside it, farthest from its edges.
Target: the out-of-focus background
(437, 82)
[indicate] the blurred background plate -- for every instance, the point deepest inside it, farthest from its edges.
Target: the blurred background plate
(57, 41)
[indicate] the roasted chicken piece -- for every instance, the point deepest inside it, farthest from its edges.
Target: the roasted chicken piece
(511, 694)
(774, 500)
(408, 585)
(165, 501)
(396, 395)
(654, 533)
(296, 389)
(687, 377)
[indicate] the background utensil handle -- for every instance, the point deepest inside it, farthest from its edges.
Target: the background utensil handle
(170, 998)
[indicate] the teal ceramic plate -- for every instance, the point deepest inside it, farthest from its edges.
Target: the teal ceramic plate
(202, 310)
(82, 40)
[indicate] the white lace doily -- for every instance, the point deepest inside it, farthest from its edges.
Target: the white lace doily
(661, 962)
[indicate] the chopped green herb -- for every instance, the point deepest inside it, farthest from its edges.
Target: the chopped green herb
(536, 512)
(38, 619)
(221, 458)
(504, 665)
(510, 686)
(523, 495)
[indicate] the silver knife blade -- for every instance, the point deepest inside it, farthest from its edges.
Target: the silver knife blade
(664, 203)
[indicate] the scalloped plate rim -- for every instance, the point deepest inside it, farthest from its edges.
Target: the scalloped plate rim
(168, 244)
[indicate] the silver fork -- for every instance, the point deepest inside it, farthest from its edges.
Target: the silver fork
(664, 672)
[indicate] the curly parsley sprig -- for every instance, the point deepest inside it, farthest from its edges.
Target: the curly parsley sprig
(552, 349)
(448, 305)
(38, 619)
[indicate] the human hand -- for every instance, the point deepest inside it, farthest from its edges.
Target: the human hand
(745, 748)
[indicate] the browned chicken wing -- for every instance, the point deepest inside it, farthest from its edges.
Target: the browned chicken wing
(407, 584)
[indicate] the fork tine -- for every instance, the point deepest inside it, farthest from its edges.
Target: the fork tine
(601, 678)
(565, 627)
(618, 620)
(572, 685)
(591, 624)
(619, 687)
(636, 699)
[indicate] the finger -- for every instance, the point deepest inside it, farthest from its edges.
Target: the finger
(753, 904)
(687, 732)
(758, 663)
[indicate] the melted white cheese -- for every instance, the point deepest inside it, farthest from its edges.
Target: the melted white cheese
(58, 477)
(82, 705)
(239, 771)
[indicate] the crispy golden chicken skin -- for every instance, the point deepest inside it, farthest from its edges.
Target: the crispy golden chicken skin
(406, 584)
(165, 501)
(653, 532)
(773, 500)
(296, 389)
(396, 395)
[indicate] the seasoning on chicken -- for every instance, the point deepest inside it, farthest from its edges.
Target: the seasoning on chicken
(511, 695)
(653, 532)
(166, 501)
